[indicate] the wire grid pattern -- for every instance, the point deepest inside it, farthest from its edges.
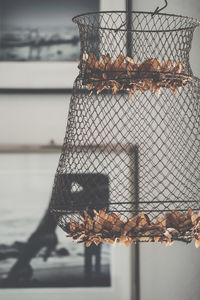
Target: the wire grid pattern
(102, 136)
(148, 145)
(162, 36)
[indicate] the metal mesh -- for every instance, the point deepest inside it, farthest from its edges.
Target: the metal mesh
(132, 154)
(141, 36)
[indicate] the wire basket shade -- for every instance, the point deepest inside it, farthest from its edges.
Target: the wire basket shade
(137, 34)
(129, 168)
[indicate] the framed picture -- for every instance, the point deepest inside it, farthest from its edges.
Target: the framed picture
(39, 43)
(59, 268)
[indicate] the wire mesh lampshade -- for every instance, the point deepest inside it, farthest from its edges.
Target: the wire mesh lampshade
(130, 164)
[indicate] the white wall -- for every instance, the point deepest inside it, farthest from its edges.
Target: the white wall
(33, 118)
(170, 272)
(189, 8)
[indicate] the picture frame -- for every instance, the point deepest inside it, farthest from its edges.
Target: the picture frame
(122, 264)
(46, 75)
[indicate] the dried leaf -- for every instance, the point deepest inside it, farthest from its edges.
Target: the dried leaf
(177, 68)
(130, 93)
(111, 241)
(169, 242)
(172, 220)
(72, 227)
(118, 62)
(132, 223)
(172, 231)
(150, 65)
(118, 226)
(127, 242)
(190, 212)
(161, 221)
(165, 66)
(197, 243)
(88, 243)
(122, 239)
(195, 219)
(156, 239)
(180, 216)
(144, 239)
(115, 88)
(143, 221)
(99, 65)
(84, 56)
(90, 86)
(131, 61)
(124, 73)
(167, 234)
(187, 223)
(108, 227)
(91, 61)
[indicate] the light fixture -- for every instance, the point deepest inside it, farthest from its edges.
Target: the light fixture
(130, 164)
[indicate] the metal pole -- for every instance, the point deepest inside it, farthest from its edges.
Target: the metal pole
(134, 160)
(136, 253)
(129, 27)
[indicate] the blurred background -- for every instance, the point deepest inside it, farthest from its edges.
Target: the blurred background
(33, 252)
(38, 39)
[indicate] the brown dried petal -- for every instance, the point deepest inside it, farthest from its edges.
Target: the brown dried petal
(172, 231)
(144, 239)
(180, 216)
(130, 224)
(88, 243)
(165, 66)
(169, 242)
(72, 227)
(97, 227)
(150, 65)
(195, 219)
(128, 242)
(118, 62)
(172, 220)
(99, 65)
(90, 86)
(91, 61)
(190, 212)
(197, 243)
(161, 221)
(156, 239)
(131, 61)
(143, 220)
(104, 227)
(177, 68)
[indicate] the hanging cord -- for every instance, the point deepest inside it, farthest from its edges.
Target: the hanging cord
(157, 10)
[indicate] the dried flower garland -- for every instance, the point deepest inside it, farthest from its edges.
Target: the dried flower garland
(126, 74)
(108, 227)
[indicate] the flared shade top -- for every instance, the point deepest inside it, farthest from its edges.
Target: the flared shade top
(139, 21)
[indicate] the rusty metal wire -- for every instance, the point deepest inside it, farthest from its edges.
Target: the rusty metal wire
(138, 154)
